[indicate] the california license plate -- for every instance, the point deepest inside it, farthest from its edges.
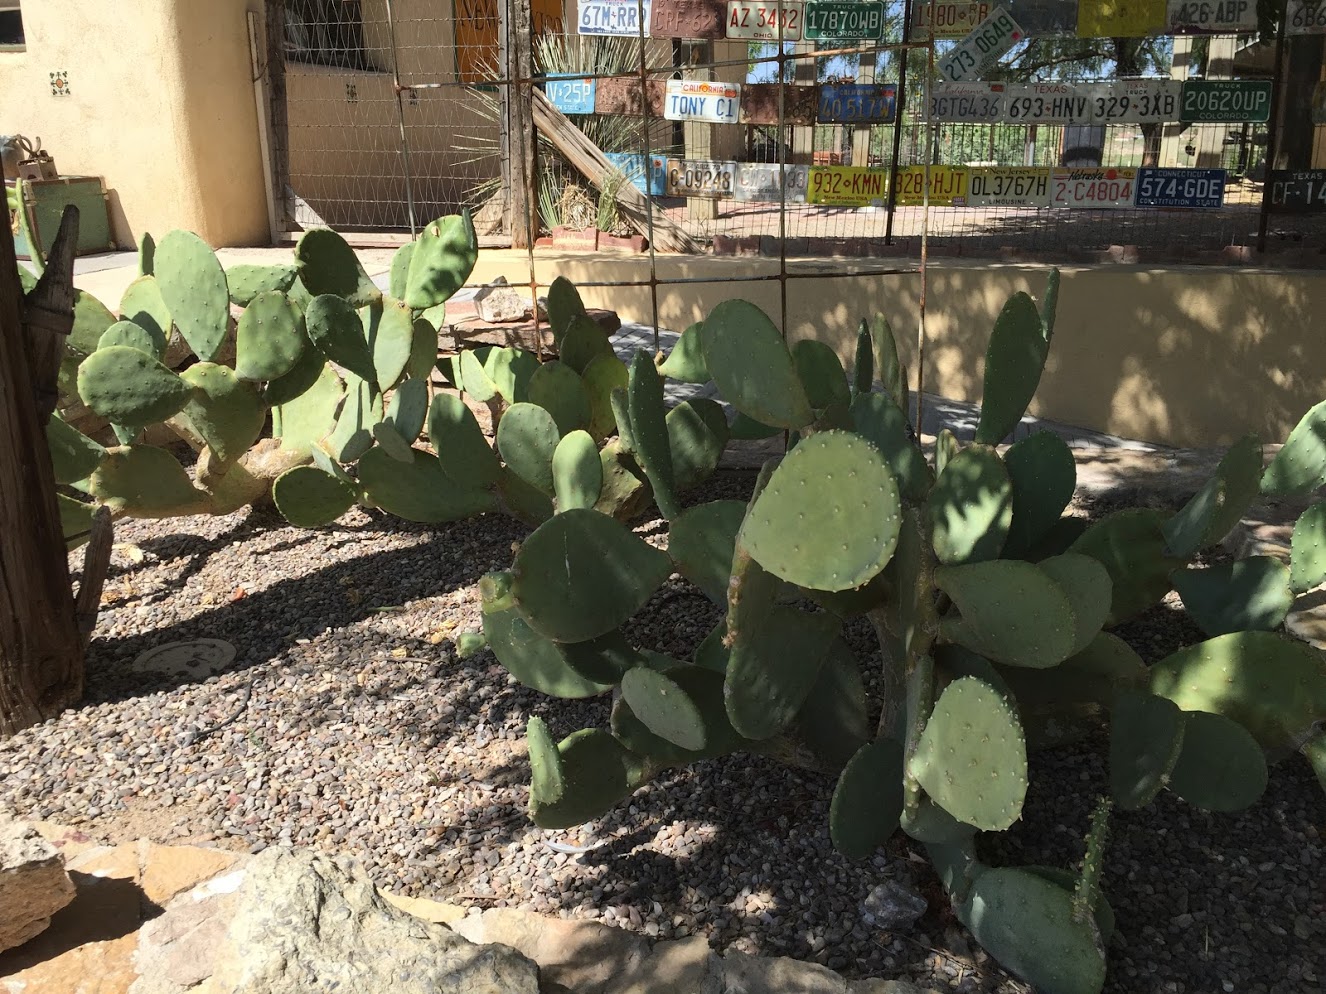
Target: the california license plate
(948, 186)
(982, 103)
(1188, 17)
(1180, 187)
(982, 47)
(1008, 186)
(764, 182)
(700, 178)
(1100, 188)
(848, 186)
(858, 103)
(1135, 101)
(844, 20)
(1226, 101)
(948, 18)
(769, 21)
(613, 17)
(701, 100)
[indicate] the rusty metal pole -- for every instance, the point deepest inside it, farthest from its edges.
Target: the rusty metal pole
(899, 106)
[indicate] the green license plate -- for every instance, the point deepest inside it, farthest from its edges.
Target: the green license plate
(1226, 101)
(844, 20)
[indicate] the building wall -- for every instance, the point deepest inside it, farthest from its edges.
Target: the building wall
(160, 105)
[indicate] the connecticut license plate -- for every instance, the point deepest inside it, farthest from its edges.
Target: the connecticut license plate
(1180, 187)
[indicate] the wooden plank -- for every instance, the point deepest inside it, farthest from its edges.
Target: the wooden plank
(518, 160)
(278, 116)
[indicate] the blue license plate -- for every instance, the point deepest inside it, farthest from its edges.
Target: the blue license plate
(858, 103)
(632, 164)
(571, 95)
(1180, 187)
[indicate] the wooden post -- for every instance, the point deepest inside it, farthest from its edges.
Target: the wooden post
(803, 136)
(519, 180)
(41, 648)
(865, 73)
(278, 119)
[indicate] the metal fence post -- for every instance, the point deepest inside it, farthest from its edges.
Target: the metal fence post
(517, 141)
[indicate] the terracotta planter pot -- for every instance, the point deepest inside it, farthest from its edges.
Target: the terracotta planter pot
(627, 243)
(581, 241)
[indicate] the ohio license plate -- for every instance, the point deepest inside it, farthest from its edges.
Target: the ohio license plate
(700, 178)
(848, 186)
(1010, 186)
(1298, 190)
(613, 17)
(1045, 103)
(982, 103)
(1110, 187)
(1180, 187)
(1135, 101)
(1226, 101)
(844, 20)
(1305, 17)
(700, 100)
(860, 103)
(948, 186)
(948, 18)
(770, 21)
(986, 43)
(760, 182)
(1188, 17)
(571, 96)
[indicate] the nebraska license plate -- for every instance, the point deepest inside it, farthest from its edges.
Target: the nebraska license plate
(767, 21)
(1111, 187)
(700, 178)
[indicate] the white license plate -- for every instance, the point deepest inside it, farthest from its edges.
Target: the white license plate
(1011, 186)
(1109, 187)
(751, 19)
(1045, 103)
(700, 100)
(1211, 16)
(987, 42)
(978, 102)
(700, 178)
(613, 17)
(1134, 101)
(759, 182)
(949, 18)
(1305, 17)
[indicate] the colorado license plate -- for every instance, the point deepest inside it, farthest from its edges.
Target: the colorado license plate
(700, 178)
(844, 20)
(770, 21)
(1011, 186)
(1180, 187)
(1110, 187)
(1226, 101)
(700, 100)
(986, 43)
(848, 186)
(613, 17)
(979, 102)
(760, 182)
(948, 186)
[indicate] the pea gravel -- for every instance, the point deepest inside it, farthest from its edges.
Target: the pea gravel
(346, 723)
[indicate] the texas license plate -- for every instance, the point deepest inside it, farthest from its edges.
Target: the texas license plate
(1045, 103)
(1180, 187)
(1008, 186)
(768, 21)
(613, 17)
(764, 182)
(700, 178)
(1110, 187)
(1298, 190)
(701, 100)
(1135, 101)
(848, 186)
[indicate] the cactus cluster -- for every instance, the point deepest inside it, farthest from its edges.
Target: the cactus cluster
(991, 605)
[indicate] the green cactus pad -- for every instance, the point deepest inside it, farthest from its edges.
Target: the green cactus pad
(947, 447)
(625, 494)
(863, 368)
(1012, 612)
(649, 431)
(391, 442)
(1050, 305)
(193, 287)
(971, 507)
(564, 304)
(527, 437)
(604, 374)
(583, 341)
(829, 517)
(867, 803)
(143, 481)
(879, 420)
(353, 434)
(704, 689)
(664, 708)
(604, 660)
(598, 771)
(956, 865)
(1300, 465)
(712, 652)
(1220, 504)
(133, 336)
(443, 258)
(557, 389)
(335, 328)
(458, 439)
(1092, 677)
(1026, 923)
(1307, 557)
(972, 757)
(75, 521)
(1068, 881)
(419, 490)
(1131, 545)
(475, 378)
(130, 387)
(389, 331)
(300, 379)
(1014, 361)
(821, 374)
(685, 363)
(73, 454)
(270, 337)
(147, 254)
(299, 295)
(577, 472)
(582, 574)
(247, 281)
(749, 362)
(327, 265)
(533, 660)
(470, 644)
(522, 501)
(697, 436)
(227, 413)
(701, 540)
(1221, 767)
(747, 429)
(933, 825)
(1273, 686)
(1086, 583)
(309, 498)
(833, 723)
(398, 278)
(142, 304)
(310, 416)
(546, 780)
(955, 662)
(1250, 594)
(408, 408)
(423, 351)
(888, 363)
(510, 370)
(1043, 474)
(1146, 736)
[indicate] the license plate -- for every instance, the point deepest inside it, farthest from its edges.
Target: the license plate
(848, 186)
(948, 18)
(774, 103)
(844, 20)
(1226, 101)
(747, 19)
(700, 178)
(1111, 187)
(1045, 17)
(987, 42)
(1305, 17)
(612, 17)
(632, 165)
(1190, 17)
(1010, 186)
(1046, 103)
(981, 103)
(859, 103)
(1135, 101)
(571, 96)
(1298, 190)
(688, 19)
(760, 182)
(1120, 18)
(701, 100)
(1180, 187)
(948, 186)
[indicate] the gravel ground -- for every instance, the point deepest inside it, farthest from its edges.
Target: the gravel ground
(356, 730)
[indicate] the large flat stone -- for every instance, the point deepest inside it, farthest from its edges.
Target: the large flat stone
(170, 870)
(682, 966)
(745, 974)
(429, 911)
(33, 883)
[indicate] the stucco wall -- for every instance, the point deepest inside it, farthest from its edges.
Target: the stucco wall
(160, 105)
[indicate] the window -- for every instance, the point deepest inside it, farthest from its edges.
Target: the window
(11, 24)
(325, 32)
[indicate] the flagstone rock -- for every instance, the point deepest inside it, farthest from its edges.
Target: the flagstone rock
(33, 883)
